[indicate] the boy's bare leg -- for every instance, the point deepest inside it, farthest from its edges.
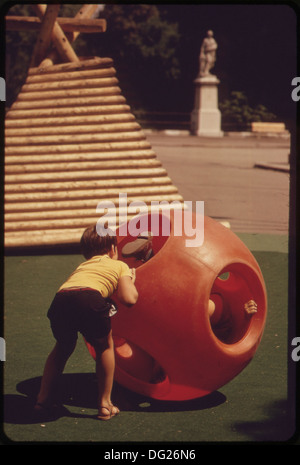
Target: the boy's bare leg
(105, 369)
(54, 367)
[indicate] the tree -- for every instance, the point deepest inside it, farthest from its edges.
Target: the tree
(237, 112)
(143, 45)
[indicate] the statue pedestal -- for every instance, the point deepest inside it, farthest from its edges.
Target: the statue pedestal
(206, 116)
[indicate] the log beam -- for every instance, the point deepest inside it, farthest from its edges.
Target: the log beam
(85, 12)
(45, 34)
(32, 23)
(59, 38)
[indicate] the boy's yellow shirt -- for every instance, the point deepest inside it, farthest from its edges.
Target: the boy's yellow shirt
(101, 273)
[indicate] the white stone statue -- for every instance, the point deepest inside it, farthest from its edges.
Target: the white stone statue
(207, 56)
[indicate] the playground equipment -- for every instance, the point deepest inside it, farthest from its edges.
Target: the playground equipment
(71, 139)
(166, 346)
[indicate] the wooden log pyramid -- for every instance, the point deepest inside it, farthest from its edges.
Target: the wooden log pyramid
(71, 141)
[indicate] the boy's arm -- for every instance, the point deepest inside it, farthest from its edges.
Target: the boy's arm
(127, 292)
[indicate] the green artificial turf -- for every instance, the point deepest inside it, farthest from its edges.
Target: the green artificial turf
(252, 407)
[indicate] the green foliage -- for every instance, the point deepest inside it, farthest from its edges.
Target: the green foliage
(237, 111)
(144, 47)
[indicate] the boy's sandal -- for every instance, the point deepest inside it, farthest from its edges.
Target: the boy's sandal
(111, 413)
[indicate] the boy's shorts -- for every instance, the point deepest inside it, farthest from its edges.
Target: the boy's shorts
(78, 310)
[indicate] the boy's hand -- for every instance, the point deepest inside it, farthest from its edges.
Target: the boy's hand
(133, 274)
(250, 307)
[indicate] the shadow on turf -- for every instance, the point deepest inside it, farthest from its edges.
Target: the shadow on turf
(279, 424)
(80, 390)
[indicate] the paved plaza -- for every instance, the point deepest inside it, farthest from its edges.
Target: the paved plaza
(227, 174)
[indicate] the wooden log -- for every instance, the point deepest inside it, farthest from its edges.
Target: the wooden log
(85, 12)
(50, 224)
(80, 166)
(113, 105)
(49, 61)
(27, 240)
(61, 83)
(59, 218)
(74, 129)
(53, 224)
(72, 208)
(84, 156)
(77, 195)
(68, 93)
(32, 23)
(42, 233)
(89, 147)
(31, 123)
(72, 186)
(85, 175)
(46, 222)
(45, 33)
(66, 235)
(71, 138)
(81, 65)
(59, 39)
(69, 76)
(68, 102)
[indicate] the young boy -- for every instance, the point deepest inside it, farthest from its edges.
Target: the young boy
(83, 304)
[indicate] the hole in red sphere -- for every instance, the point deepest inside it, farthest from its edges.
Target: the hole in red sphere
(236, 288)
(137, 363)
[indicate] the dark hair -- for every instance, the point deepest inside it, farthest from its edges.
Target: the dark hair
(97, 241)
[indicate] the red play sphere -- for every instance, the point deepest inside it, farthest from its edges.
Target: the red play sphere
(166, 345)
